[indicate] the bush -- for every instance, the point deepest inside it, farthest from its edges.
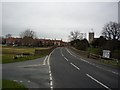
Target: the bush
(80, 44)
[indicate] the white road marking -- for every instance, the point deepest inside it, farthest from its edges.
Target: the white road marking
(70, 52)
(98, 82)
(51, 83)
(35, 65)
(50, 78)
(94, 64)
(75, 66)
(51, 87)
(50, 73)
(61, 52)
(65, 58)
(44, 62)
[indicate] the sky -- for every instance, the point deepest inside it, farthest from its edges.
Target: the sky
(55, 20)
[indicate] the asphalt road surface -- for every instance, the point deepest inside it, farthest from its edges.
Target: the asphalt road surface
(62, 68)
(33, 73)
(71, 71)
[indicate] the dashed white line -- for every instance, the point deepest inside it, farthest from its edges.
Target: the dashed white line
(51, 83)
(65, 58)
(51, 87)
(94, 64)
(50, 78)
(50, 74)
(98, 82)
(50, 71)
(75, 66)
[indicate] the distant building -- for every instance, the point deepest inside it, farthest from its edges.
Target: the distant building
(44, 42)
(91, 37)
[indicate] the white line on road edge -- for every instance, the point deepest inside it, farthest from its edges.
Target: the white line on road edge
(70, 53)
(50, 74)
(93, 64)
(44, 62)
(61, 52)
(98, 82)
(75, 66)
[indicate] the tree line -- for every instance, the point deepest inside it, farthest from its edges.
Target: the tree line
(28, 38)
(109, 40)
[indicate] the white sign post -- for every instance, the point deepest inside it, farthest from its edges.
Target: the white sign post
(106, 53)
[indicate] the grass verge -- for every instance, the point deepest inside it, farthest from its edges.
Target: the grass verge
(113, 63)
(8, 53)
(11, 85)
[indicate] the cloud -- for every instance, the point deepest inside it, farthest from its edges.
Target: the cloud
(57, 19)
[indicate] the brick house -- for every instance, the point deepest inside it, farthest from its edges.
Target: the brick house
(34, 42)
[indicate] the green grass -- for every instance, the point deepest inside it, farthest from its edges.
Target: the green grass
(97, 51)
(111, 62)
(8, 54)
(11, 85)
(9, 58)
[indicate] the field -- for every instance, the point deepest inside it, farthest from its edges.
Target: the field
(9, 52)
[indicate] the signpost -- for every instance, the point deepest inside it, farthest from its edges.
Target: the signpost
(106, 53)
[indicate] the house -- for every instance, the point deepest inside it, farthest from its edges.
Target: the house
(13, 41)
(35, 42)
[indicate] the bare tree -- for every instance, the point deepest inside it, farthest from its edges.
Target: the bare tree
(111, 31)
(74, 35)
(28, 33)
(27, 37)
(8, 35)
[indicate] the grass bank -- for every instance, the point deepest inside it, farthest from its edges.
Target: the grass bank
(95, 54)
(11, 85)
(9, 53)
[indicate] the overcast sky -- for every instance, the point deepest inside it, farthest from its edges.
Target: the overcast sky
(57, 19)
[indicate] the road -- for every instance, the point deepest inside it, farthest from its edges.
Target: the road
(71, 71)
(33, 73)
(62, 68)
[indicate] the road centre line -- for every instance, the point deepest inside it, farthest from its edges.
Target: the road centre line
(98, 82)
(94, 64)
(75, 66)
(65, 58)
